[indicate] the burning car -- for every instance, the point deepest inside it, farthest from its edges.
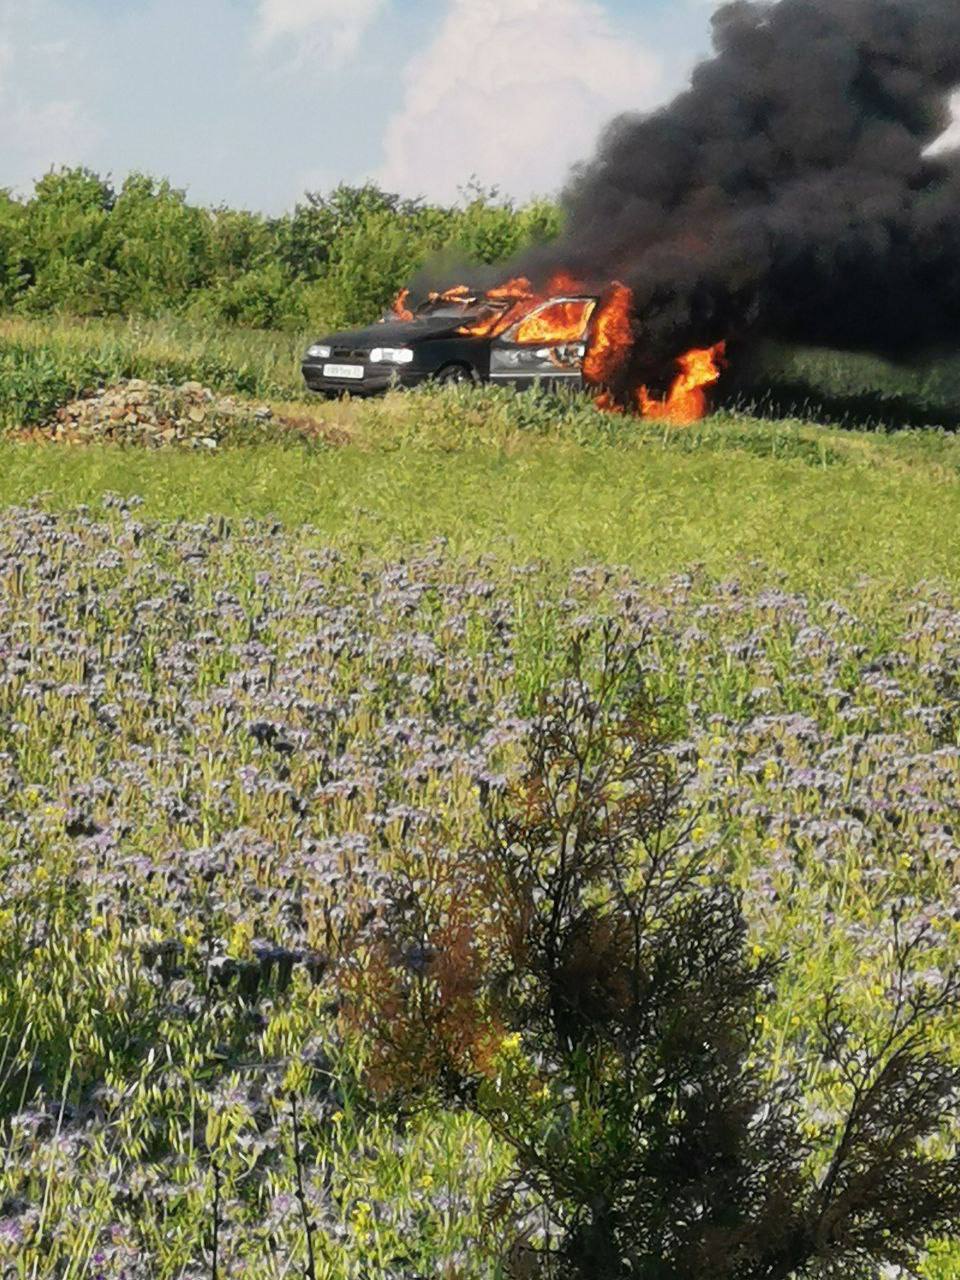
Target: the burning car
(562, 335)
(459, 336)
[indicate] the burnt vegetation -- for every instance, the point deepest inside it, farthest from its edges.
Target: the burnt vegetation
(583, 980)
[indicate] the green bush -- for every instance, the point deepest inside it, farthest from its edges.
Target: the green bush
(35, 381)
(307, 241)
(488, 231)
(78, 247)
(238, 241)
(261, 298)
(12, 277)
(65, 244)
(158, 247)
(582, 980)
(366, 264)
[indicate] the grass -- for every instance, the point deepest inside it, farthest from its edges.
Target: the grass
(816, 504)
(859, 389)
(44, 363)
(529, 476)
(140, 808)
(800, 586)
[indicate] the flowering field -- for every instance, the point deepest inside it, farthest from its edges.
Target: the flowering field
(213, 737)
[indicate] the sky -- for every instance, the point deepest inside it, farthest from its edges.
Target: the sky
(250, 103)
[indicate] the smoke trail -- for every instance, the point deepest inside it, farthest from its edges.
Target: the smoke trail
(787, 194)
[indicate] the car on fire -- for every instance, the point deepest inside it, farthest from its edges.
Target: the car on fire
(458, 336)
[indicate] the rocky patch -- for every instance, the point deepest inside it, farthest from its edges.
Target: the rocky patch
(149, 415)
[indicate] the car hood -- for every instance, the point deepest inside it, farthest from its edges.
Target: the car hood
(399, 333)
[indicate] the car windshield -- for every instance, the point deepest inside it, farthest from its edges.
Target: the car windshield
(455, 310)
(449, 309)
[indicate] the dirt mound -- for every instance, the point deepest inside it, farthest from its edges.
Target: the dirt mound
(147, 414)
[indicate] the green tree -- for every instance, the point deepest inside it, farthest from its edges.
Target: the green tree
(260, 298)
(79, 247)
(489, 230)
(369, 262)
(540, 221)
(13, 275)
(486, 231)
(240, 241)
(66, 244)
(158, 247)
(309, 238)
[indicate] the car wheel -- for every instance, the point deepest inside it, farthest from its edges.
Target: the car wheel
(453, 373)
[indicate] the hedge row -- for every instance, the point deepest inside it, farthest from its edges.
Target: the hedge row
(78, 246)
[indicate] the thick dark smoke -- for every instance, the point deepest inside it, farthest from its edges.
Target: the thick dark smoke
(786, 194)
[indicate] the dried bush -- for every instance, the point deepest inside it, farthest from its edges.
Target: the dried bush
(583, 981)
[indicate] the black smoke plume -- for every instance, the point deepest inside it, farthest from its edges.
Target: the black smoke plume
(787, 193)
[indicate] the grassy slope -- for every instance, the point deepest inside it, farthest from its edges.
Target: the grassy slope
(529, 479)
(492, 471)
(823, 506)
(799, 712)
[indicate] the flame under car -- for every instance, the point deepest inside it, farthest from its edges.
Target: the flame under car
(458, 337)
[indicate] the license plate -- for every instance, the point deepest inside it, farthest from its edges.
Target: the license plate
(343, 371)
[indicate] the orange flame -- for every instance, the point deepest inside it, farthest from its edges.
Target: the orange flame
(519, 288)
(457, 294)
(612, 339)
(563, 282)
(559, 322)
(400, 309)
(687, 401)
(566, 322)
(562, 314)
(519, 292)
(496, 323)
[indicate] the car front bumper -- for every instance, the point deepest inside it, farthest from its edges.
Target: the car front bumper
(526, 381)
(376, 379)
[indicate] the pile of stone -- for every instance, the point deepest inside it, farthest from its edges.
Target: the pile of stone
(145, 413)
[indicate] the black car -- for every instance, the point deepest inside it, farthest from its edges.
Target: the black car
(449, 341)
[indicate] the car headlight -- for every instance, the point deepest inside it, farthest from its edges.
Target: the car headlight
(391, 355)
(320, 352)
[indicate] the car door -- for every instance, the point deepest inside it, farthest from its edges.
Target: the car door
(547, 345)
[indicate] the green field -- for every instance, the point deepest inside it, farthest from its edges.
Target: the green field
(893, 514)
(527, 476)
(403, 592)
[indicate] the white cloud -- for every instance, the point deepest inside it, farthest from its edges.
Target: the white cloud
(48, 134)
(513, 91)
(326, 32)
(36, 131)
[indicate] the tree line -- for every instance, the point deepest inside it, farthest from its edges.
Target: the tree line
(78, 245)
